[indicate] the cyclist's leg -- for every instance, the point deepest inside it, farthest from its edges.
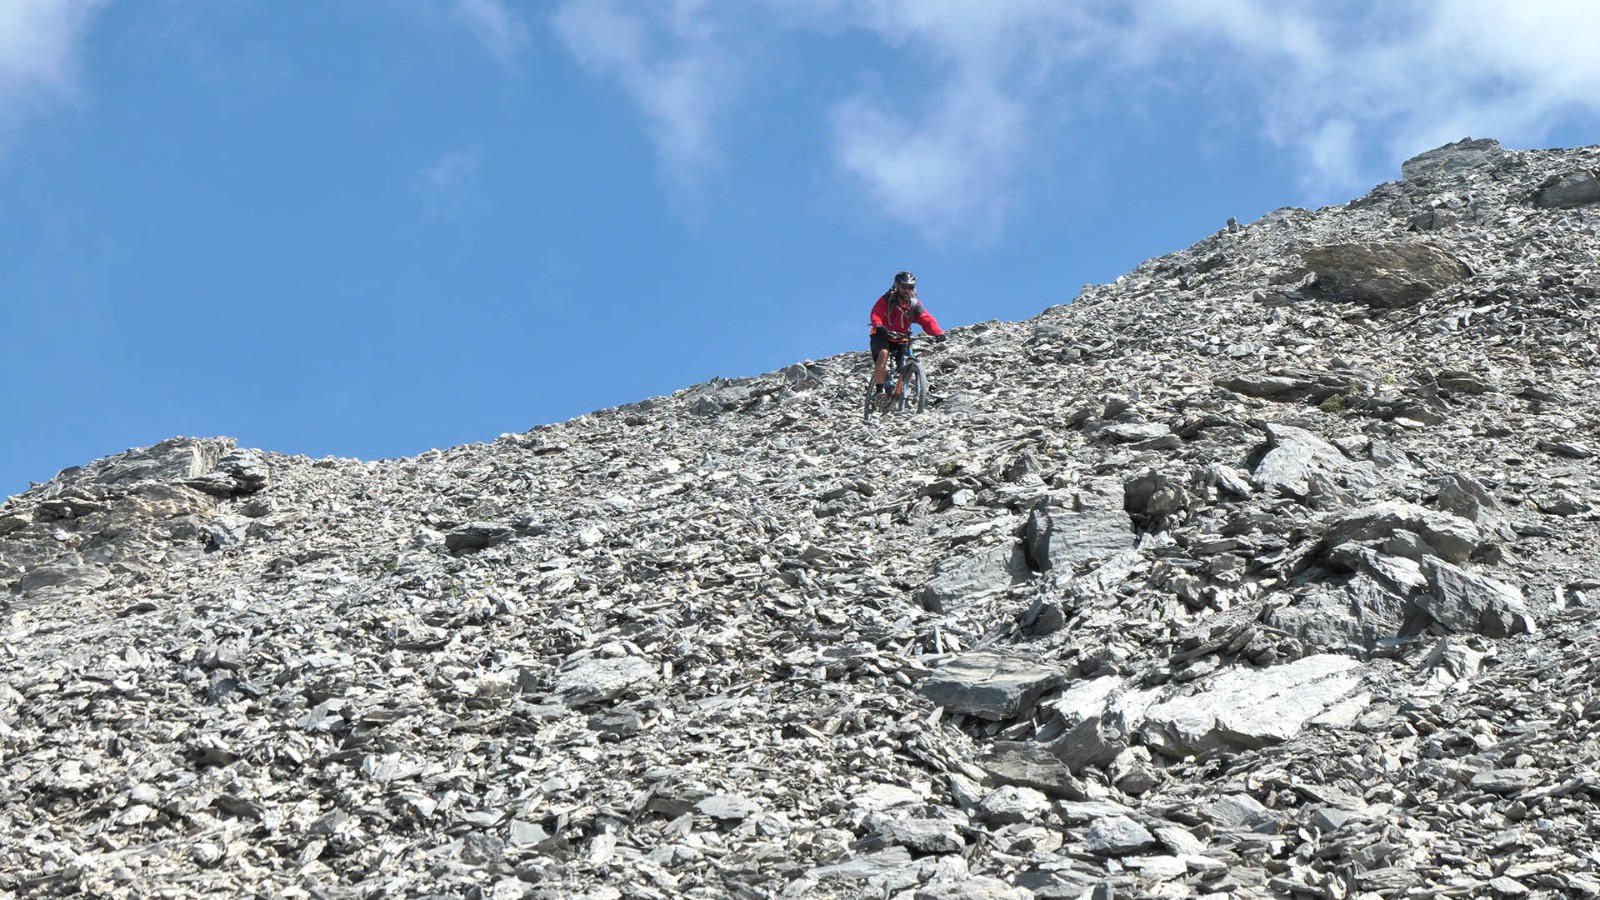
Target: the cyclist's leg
(880, 359)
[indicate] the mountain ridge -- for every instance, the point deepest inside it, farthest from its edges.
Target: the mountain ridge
(1264, 570)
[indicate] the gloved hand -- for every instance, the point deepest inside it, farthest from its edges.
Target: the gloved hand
(940, 338)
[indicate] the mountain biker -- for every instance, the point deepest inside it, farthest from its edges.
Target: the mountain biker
(891, 321)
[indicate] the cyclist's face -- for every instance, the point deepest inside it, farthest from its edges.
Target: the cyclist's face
(903, 291)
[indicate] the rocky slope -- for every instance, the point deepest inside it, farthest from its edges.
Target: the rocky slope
(1268, 570)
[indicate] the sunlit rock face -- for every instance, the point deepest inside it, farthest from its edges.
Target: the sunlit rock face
(1266, 570)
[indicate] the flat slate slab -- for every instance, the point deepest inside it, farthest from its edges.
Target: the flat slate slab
(994, 686)
(1253, 708)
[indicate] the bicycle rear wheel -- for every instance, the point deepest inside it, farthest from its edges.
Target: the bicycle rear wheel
(913, 388)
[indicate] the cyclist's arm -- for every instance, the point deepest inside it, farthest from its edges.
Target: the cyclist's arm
(928, 324)
(879, 311)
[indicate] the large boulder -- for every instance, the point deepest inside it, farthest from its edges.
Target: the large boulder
(994, 686)
(1251, 708)
(964, 580)
(1392, 597)
(1404, 529)
(1452, 159)
(1071, 539)
(1298, 464)
(585, 682)
(1383, 275)
(172, 460)
(1576, 188)
(1462, 601)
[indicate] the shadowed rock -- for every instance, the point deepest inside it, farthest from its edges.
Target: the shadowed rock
(1579, 188)
(1383, 275)
(990, 685)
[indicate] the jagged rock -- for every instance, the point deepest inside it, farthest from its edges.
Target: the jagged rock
(1152, 494)
(1298, 464)
(1242, 708)
(1237, 811)
(1069, 539)
(1452, 160)
(961, 581)
(1442, 534)
(1567, 189)
(923, 835)
(1462, 601)
(171, 460)
(990, 685)
(1464, 496)
(696, 663)
(1032, 766)
(477, 536)
(1117, 836)
(1089, 743)
(1010, 805)
(588, 681)
(1383, 275)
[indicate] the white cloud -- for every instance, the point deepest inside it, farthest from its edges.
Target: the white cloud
(1353, 89)
(1348, 90)
(498, 28)
(666, 56)
(945, 172)
(40, 45)
(448, 187)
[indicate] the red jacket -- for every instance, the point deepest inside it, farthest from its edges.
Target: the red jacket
(900, 318)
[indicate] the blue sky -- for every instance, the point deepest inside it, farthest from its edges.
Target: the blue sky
(372, 227)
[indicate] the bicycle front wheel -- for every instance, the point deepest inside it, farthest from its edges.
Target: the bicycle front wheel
(871, 400)
(913, 388)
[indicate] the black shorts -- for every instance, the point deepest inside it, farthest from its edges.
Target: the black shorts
(879, 342)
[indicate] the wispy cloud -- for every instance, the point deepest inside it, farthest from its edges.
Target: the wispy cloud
(946, 170)
(1353, 88)
(666, 57)
(448, 186)
(1347, 90)
(496, 26)
(40, 45)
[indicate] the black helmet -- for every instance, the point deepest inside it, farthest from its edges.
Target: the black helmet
(905, 278)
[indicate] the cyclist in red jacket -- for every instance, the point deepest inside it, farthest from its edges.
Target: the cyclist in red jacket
(891, 321)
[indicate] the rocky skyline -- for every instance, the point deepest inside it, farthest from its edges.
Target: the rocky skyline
(1266, 570)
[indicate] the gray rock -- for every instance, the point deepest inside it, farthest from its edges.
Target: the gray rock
(477, 536)
(1091, 743)
(1068, 540)
(923, 835)
(728, 807)
(1117, 836)
(1033, 766)
(1452, 160)
(990, 685)
(961, 581)
(1462, 601)
(1245, 708)
(1011, 805)
(1383, 274)
(1568, 189)
(588, 681)
(1467, 498)
(979, 887)
(1443, 534)
(1237, 811)
(1298, 464)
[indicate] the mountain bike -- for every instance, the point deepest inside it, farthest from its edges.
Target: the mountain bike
(907, 386)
